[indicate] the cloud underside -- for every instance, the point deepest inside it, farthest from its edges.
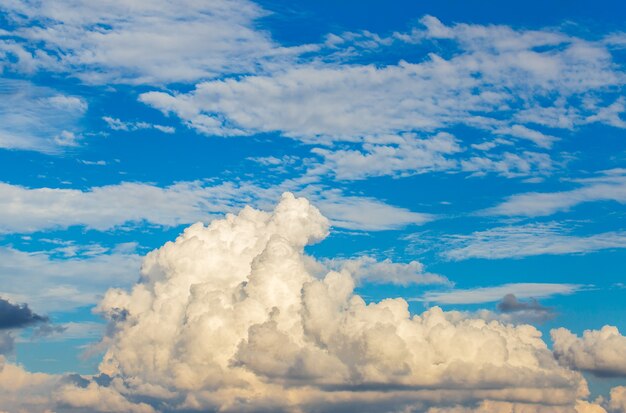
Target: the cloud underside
(229, 318)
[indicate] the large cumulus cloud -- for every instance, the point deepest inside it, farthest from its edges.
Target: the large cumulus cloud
(229, 317)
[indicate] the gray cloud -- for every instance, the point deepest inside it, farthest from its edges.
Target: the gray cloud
(530, 310)
(7, 342)
(17, 315)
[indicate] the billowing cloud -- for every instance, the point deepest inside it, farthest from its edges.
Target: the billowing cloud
(522, 87)
(600, 352)
(228, 317)
(617, 401)
(23, 391)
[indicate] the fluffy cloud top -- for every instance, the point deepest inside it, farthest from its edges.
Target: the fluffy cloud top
(598, 351)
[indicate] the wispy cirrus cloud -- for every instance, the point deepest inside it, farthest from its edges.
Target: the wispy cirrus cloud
(492, 294)
(38, 118)
(609, 186)
(518, 241)
(138, 42)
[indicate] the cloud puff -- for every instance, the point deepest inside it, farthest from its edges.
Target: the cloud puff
(617, 402)
(23, 391)
(528, 311)
(17, 315)
(600, 352)
(228, 317)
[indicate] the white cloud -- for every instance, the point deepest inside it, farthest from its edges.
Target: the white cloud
(38, 118)
(102, 399)
(617, 401)
(228, 317)
(509, 164)
(496, 293)
(135, 42)
(366, 269)
(28, 210)
(520, 131)
(609, 187)
(23, 391)
(52, 284)
(120, 125)
(243, 326)
(403, 155)
(501, 81)
(527, 240)
(598, 351)
(345, 102)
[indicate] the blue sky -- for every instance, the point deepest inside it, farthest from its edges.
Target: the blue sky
(481, 141)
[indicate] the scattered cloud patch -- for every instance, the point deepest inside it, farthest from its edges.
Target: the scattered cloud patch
(119, 42)
(120, 125)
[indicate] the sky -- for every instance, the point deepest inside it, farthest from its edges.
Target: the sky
(312, 206)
